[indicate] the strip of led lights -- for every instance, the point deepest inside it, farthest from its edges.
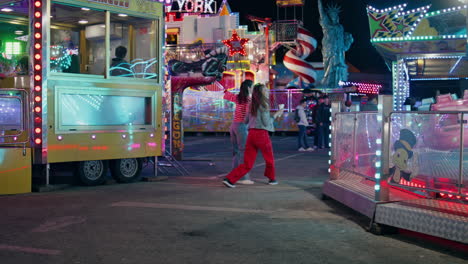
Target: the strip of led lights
(365, 88)
(37, 70)
(378, 153)
(424, 14)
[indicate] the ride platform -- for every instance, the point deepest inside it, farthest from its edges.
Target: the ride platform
(440, 218)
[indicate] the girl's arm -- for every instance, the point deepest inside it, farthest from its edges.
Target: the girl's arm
(230, 96)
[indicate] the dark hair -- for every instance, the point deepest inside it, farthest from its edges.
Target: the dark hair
(259, 100)
(303, 101)
(120, 52)
(325, 96)
(243, 95)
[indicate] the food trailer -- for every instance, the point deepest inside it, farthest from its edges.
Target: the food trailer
(80, 83)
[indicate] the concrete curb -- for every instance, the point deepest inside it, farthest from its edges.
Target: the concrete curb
(155, 179)
(50, 187)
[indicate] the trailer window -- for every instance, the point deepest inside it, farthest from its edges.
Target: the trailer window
(11, 116)
(89, 110)
(14, 60)
(133, 47)
(77, 40)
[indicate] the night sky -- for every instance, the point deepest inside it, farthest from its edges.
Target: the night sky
(353, 17)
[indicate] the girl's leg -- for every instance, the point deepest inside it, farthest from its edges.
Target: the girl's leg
(250, 155)
(242, 133)
(264, 144)
(235, 145)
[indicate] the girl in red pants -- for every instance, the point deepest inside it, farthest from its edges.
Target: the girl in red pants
(260, 123)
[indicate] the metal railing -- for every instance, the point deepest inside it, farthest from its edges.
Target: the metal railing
(354, 140)
(190, 52)
(286, 30)
(207, 111)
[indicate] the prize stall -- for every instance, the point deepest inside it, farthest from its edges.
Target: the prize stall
(409, 169)
(81, 83)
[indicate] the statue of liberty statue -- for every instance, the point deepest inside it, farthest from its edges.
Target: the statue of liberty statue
(335, 43)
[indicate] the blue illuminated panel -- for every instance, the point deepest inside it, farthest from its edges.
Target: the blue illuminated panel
(10, 113)
(104, 110)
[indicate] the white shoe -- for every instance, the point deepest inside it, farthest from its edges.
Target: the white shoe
(309, 149)
(245, 182)
(301, 149)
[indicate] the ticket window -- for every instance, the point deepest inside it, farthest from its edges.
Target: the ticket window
(134, 47)
(77, 40)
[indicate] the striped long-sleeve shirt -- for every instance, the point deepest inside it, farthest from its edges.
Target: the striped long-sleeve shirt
(241, 109)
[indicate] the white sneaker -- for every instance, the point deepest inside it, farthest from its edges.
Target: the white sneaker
(301, 149)
(245, 182)
(309, 149)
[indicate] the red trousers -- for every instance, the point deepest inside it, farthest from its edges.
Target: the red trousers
(258, 139)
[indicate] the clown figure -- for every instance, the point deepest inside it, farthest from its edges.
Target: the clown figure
(403, 153)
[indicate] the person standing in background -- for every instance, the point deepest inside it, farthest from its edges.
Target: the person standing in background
(323, 123)
(302, 144)
(238, 130)
(119, 66)
(316, 124)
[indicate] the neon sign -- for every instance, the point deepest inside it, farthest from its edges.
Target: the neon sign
(119, 3)
(196, 6)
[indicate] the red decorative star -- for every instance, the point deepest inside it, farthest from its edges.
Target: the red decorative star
(236, 44)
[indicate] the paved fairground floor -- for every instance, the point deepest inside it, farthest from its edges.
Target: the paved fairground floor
(193, 218)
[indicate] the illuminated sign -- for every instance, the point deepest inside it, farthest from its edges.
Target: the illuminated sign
(119, 3)
(196, 6)
(282, 3)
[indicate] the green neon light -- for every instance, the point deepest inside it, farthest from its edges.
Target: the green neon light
(418, 38)
(13, 48)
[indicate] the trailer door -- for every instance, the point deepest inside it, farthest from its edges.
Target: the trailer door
(15, 154)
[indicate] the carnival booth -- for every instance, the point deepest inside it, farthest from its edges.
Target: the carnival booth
(80, 82)
(192, 32)
(409, 169)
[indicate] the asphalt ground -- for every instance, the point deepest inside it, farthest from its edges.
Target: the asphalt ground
(195, 219)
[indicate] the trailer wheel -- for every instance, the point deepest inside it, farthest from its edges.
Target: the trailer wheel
(92, 172)
(126, 170)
